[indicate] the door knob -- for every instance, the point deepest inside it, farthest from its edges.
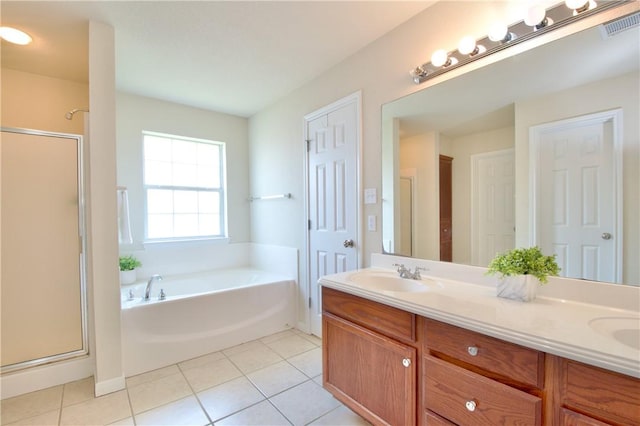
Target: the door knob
(606, 236)
(348, 243)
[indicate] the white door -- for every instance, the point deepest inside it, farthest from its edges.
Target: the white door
(332, 137)
(576, 197)
(493, 210)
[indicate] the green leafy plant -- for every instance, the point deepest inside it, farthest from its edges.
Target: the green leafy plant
(524, 261)
(129, 263)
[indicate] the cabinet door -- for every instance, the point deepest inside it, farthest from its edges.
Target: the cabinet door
(372, 374)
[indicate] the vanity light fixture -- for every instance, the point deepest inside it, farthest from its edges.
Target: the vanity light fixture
(536, 17)
(499, 32)
(537, 21)
(15, 36)
(468, 46)
(441, 58)
(579, 6)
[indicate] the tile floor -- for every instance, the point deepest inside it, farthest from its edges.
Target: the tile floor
(276, 380)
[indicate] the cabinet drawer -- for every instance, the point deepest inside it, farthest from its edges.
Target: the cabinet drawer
(512, 363)
(601, 393)
(467, 398)
(571, 418)
(432, 419)
(384, 319)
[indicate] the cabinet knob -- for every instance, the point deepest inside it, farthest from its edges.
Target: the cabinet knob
(471, 405)
(473, 350)
(406, 362)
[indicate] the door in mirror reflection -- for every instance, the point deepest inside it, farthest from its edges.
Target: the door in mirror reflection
(576, 200)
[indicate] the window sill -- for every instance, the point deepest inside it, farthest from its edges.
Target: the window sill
(186, 242)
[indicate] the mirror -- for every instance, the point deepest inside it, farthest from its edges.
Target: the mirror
(504, 130)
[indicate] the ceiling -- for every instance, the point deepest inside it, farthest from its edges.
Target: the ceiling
(236, 57)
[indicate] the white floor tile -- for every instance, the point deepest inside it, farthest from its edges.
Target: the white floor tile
(201, 361)
(31, 404)
(98, 411)
(229, 397)
(341, 416)
(290, 346)
(276, 378)
(152, 375)
(304, 403)
(185, 411)
(212, 374)
(49, 418)
(158, 392)
(78, 391)
(255, 359)
(257, 415)
(310, 362)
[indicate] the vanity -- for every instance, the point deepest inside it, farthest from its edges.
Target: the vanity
(444, 350)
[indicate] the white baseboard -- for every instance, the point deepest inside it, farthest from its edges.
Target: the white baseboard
(108, 386)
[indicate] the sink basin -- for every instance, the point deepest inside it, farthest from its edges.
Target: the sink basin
(625, 330)
(388, 281)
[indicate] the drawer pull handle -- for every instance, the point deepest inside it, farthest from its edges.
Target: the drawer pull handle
(471, 405)
(473, 350)
(406, 362)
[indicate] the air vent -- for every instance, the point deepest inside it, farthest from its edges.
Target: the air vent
(614, 27)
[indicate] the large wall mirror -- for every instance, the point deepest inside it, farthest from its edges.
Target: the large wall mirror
(541, 148)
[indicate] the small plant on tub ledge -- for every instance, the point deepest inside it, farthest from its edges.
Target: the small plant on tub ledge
(521, 271)
(128, 265)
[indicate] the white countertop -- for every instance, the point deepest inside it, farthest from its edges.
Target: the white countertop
(559, 326)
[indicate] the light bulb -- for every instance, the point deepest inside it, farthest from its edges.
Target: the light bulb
(575, 4)
(15, 36)
(535, 15)
(498, 31)
(467, 45)
(439, 58)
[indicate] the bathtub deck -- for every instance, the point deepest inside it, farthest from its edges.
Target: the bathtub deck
(274, 380)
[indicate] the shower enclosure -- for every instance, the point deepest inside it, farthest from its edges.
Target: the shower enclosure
(44, 315)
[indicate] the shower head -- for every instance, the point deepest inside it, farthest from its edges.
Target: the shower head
(69, 115)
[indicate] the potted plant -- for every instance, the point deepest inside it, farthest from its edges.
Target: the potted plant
(521, 271)
(128, 265)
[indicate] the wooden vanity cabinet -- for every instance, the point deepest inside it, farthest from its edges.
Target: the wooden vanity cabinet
(395, 368)
(366, 364)
(588, 395)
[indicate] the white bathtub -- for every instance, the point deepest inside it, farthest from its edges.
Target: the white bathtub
(202, 313)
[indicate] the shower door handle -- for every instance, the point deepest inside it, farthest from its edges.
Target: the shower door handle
(347, 243)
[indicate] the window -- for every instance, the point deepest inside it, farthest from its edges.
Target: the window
(184, 187)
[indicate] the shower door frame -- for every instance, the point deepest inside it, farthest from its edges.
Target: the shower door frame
(82, 260)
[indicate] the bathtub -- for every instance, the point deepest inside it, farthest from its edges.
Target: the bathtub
(201, 313)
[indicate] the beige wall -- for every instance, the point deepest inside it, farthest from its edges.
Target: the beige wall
(380, 70)
(32, 101)
(421, 153)
(621, 92)
(136, 113)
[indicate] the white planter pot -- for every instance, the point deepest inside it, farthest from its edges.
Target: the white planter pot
(518, 287)
(127, 277)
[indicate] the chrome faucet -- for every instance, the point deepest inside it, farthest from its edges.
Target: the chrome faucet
(147, 291)
(404, 272)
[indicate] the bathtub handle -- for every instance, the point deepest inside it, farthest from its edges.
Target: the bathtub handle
(162, 295)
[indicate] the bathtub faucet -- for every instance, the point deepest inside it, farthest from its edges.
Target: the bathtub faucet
(147, 291)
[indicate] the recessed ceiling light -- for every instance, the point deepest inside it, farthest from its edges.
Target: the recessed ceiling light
(13, 35)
